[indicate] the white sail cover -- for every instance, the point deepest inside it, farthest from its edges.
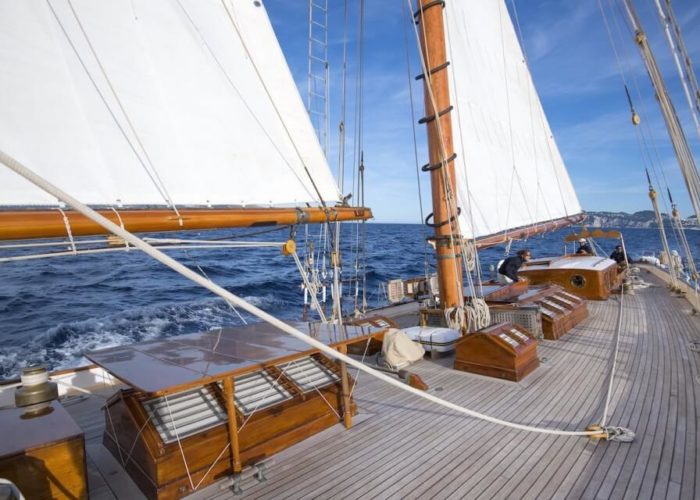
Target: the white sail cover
(509, 172)
(135, 102)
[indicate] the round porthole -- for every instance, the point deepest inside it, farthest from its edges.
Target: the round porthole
(578, 281)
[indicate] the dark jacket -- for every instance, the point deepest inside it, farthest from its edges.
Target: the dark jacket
(585, 249)
(618, 256)
(510, 267)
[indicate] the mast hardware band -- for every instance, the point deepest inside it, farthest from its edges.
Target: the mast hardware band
(445, 222)
(447, 256)
(428, 167)
(434, 70)
(417, 14)
(430, 118)
(445, 239)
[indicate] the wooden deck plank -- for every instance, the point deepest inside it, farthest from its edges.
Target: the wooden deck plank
(674, 429)
(579, 408)
(519, 449)
(530, 481)
(632, 418)
(631, 381)
(645, 466)
(609, 458)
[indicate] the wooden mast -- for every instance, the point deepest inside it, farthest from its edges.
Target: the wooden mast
(29, 224)
(440, 146)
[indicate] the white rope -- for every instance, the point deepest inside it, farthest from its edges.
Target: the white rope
(66, 222)
(20, 169)
(212, 465)
(121, 223)
(618, 329)
(678, 52)
(114, 435)
(48, 244)
(477, 313)
(315, 386)
(153, 175)
(122, 249)
(362, 360)
(262, 399)
(450, 198)
(228, 303)
(179, 444)
(313, 291)
(224, 243)
(136, 439)
(469, 254)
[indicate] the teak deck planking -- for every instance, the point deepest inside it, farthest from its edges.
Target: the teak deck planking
(402, 447)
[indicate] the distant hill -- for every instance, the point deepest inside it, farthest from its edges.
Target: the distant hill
(642, 219)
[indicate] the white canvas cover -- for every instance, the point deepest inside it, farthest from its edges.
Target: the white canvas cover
(132, 102)
(433, 338)
(509, 172)
(398, 350)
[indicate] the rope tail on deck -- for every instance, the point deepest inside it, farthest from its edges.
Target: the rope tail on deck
(604, 432)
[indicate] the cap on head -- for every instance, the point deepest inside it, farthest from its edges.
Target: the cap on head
(582, 240)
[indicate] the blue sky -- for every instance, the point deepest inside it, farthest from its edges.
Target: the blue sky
(574, 70)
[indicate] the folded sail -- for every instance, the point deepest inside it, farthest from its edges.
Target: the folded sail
(509, 172)
(153, 102)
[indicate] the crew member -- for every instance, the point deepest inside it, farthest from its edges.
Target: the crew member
(618, 255)
(509, 267)
(584, 248)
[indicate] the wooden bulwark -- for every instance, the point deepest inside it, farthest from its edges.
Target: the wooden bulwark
(30, 224)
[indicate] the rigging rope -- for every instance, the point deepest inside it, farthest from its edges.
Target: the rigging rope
(15, 166)
(269, 95)
(409, 75)
(66, 222)
(678, 51)
(153, 175)
(541, 115)
(313, 291)
(450, 196)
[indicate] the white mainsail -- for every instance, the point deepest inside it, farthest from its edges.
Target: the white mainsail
(509, 172)
(153, 102)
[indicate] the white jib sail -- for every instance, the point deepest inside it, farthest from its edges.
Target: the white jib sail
(135, 102)
(509, 172)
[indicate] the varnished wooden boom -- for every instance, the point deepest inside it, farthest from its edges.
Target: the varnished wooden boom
(30, 224)
(523, 233)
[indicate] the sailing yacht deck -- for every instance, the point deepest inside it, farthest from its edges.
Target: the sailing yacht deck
(401, 447)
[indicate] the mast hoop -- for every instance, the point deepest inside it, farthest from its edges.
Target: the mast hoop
(429, 168)
(434, 70)
(443, 223)
(419, 13)
(428, 119)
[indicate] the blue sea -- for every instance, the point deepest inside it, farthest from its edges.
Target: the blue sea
(52, 310)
